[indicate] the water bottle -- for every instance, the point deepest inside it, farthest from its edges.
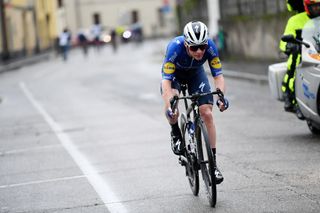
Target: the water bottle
(191, 128)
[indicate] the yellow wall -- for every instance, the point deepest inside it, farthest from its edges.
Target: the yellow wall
(30, 33)
(18, 17)
(23, 29)
(46, 21)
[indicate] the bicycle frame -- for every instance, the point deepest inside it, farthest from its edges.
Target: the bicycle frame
(194, 100)
(193, 107)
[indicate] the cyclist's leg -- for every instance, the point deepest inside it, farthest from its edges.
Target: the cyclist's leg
(207, 117)
(177, 144)
(200, 84)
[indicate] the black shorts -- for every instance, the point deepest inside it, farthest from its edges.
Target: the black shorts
(197, 83)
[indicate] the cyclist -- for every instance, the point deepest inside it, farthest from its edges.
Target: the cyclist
(183, 63)
(305, 9)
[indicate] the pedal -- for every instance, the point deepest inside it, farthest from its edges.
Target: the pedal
(182, 160)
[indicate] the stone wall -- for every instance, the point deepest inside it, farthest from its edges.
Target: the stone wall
(254, 38)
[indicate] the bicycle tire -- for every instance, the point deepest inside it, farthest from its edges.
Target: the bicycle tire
(206, 162)
(191, 172)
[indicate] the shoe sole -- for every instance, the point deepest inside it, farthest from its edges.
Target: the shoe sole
(219, 181)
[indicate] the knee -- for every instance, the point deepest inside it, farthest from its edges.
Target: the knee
(206, 114)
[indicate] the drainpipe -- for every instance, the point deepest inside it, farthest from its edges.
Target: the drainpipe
(37, 47)
(5, 49)
(78, 14)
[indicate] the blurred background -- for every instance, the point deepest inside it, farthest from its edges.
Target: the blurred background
(251, 27)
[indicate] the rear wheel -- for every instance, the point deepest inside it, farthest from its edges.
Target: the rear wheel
(206, 162)
(191, 171)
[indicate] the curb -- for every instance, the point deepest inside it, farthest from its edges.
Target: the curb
(246, 76)
(23, 62)
(262, 79)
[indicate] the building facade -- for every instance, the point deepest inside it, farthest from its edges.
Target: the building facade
(32, 26)
(157, 17)
(27, 27)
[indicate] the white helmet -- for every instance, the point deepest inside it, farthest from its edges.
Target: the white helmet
(196, 33)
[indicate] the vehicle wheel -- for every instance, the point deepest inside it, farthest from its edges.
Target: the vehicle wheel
(315, 130)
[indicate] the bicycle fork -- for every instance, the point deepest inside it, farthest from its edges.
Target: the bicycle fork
(190, 148)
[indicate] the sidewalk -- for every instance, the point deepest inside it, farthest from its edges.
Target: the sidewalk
(249, 70)
(18, 63)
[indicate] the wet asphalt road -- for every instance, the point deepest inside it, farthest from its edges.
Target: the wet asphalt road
(89, 135)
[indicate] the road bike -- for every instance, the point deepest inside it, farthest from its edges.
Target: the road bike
(197, 154)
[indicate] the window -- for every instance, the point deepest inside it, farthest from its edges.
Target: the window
(60, 3)
(96, 18)
(160, 17)
(135, 16)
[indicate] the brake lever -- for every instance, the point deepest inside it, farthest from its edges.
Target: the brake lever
(174, 102)
(221, 98)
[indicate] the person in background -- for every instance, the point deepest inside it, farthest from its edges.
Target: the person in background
(96, 31)
(293, 27)
(83, 42)
(64, 43)
(114, 41)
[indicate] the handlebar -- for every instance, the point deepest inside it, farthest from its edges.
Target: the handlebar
(195, 97)
(290, 38)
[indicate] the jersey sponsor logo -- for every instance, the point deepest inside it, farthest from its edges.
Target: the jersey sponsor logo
(169, 68)
(201, 86)
(173, 57)
(210, 50)
(215, 63)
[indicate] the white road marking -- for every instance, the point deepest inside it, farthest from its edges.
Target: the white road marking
(41, 181)
(33, 149)
(111, 201)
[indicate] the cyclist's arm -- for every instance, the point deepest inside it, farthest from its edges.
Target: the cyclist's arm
(214, 60)
(219, 82)
(167, 92)
(168, 70)
(222, 103)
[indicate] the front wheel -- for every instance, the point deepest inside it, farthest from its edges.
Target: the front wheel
(206, 162)
(191, 172)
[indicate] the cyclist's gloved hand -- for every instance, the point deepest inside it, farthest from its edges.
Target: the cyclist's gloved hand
(169, 113)
(172, 115)
(172, 110)
(223, 104)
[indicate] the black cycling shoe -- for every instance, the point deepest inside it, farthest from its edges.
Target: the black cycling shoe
(177, 144)
(219, 177)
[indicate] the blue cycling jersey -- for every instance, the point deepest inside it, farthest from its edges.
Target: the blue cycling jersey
(178, 63)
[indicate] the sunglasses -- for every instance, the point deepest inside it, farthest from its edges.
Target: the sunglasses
(196, 47)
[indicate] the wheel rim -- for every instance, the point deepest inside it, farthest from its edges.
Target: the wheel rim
(192, 174)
